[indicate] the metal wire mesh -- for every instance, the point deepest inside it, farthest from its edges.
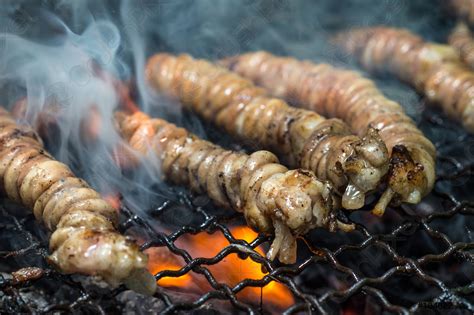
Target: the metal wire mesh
(412, 260)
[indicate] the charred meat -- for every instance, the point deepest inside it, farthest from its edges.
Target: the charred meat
(272, 198)
(349, 96)
(300, 137)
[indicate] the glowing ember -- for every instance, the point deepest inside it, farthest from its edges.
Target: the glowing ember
(231, 270)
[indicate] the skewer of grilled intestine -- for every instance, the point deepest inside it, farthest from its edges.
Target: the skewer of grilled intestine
(435, 70)
(84, 239)
(349, 96)
(300, 137)
(272, 198)
(463, 9)
(462, 40)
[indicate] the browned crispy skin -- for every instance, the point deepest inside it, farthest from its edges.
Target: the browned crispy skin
(84, 238)
(355, 99)
(461, 39)
(463, 9)
(435, 70)
(26, 274)
(300, 137)
(272, 198)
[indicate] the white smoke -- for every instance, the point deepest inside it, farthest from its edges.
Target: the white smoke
(58, 74)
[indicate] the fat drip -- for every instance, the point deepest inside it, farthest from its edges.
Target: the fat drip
(355, 99)
(272, 198)
(300, 137)
(84, 239)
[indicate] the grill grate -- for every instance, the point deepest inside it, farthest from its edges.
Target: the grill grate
(373, 267)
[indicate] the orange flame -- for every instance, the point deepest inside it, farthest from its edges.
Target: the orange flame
(160, 259)
(231, 270)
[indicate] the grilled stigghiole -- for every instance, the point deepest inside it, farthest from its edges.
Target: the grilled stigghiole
(84, 238)
(461, 39)
(300, 137)
(356, 100)
(434, 70)
(272, 198)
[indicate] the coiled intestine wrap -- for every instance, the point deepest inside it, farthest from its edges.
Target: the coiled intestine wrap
(272, 198)
(300, 137)
(84, 238)
(355, 99)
